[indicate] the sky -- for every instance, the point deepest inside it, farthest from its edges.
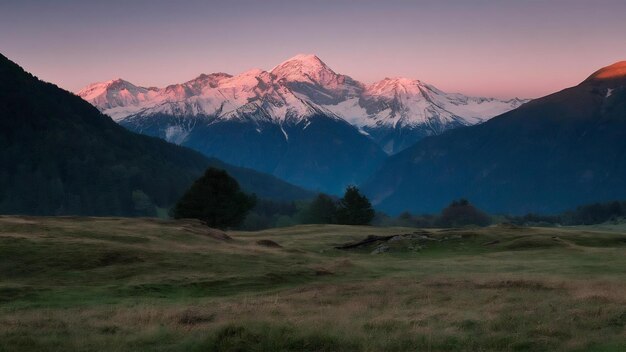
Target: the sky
(484, 48)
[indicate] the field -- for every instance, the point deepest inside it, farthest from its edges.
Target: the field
(107, 284)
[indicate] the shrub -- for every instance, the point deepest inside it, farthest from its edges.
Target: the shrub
(462, 213)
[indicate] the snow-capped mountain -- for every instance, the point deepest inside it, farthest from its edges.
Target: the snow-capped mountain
(395, 112)
(117, 94)
(550, 154)
(262, 119)
(308, 76)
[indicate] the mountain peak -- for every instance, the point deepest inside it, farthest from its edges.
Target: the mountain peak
(308, 75)
(249, 78)
(393, 86)
(113, 84)
(403, 81)
(305, 59)
(210, 80)
(304, 68)
(117, 80)
(115, 93)
(119, 83)
(98, 88)
(611, 72)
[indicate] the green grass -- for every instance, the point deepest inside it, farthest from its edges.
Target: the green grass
(91, 284)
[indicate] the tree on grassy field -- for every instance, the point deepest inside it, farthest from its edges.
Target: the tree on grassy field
(216, 199)
(462, 213)
(322, 210)
(354, 208)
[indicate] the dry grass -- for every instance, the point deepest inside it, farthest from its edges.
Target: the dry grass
(535, 290)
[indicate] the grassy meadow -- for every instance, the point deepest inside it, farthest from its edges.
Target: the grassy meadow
(118, 284)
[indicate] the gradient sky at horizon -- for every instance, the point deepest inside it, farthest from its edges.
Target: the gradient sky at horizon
(485, 48)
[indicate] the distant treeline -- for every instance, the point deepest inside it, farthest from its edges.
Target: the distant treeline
(352, 209)
(459, 213)
(590, 214)
(462, 213)
(324, 210)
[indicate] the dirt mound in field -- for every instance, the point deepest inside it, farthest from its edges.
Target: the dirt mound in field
(538, 242)
(208, 231)
(268, 243)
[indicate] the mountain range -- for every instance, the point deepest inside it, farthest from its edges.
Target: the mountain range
(548, 155)
(300, 121)
(59, 155)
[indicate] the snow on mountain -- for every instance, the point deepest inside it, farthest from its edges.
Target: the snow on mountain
(310, 76)
(258, 89)
(216, 95)
(298, 88)
(398, 102)
(305, 68)
(117, 94)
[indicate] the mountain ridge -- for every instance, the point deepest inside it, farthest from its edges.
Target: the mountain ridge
(369, 108)
(60, 156)
(616, 70)
(551, 154)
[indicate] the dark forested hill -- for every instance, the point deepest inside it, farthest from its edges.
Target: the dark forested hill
(60, 155)
(551, 154)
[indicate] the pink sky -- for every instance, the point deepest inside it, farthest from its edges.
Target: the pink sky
(485, 48)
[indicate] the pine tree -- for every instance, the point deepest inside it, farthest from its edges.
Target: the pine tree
(216, 199)
(322, 210)
(354, 208)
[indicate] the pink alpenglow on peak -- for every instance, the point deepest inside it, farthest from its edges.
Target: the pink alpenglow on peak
(391, 87)
(614, 71)
(296, 89)
(304, 68)
(116, 93)
(308, 74)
